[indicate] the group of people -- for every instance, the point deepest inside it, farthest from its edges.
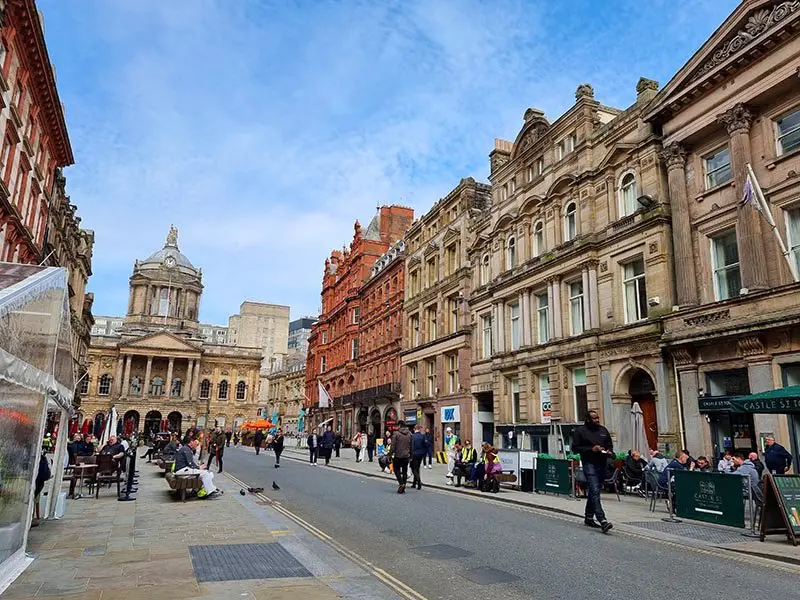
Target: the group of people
(322, 446)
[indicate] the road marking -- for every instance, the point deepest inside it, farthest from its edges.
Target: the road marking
(391, 582)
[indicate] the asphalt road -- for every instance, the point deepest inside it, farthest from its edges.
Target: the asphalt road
(539, 556)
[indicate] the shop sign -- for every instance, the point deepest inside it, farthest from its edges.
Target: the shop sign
(710, 497)
(451, 414)
(782, 405)
(527, 460)
(713, 403)
(411, 417)
(552, 475)
(547, 407)
(391, 419)
(781, 510)
(509, 459)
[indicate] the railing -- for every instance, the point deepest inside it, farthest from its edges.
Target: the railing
(380, 391)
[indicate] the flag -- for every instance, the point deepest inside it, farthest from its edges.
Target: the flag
(324, 398)
(749, 198)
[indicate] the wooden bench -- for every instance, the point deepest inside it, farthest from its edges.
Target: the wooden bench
(165, 464)
(183, 482)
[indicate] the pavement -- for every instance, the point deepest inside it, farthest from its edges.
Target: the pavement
(445, 544)
(158, 547)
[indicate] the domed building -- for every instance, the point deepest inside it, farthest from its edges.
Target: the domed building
(157, 368)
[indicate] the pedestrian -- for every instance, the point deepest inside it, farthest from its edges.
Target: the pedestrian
(258, 439)
(236, 439)
(327, 443)
(313, 448)
(429, 446)
(217, 447)
(337, 442)
(776, 458)
(228, 436)
(370, 444)
(356, 444)
(593, 442)
(419, 450)
(277, 447)
(400, 453)
(450, 440)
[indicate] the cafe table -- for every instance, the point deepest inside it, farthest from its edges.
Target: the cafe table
(83, 470)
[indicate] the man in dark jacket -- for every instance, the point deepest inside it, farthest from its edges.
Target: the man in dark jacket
(277, 447)
(217, 447)
(313, 447)
(400, 453)
(327, 443)
(429, 441)
(776, 458)
(258, 439)
(186, 465)
(370, 444)
(419, 450)
(593, 442)
(337, 443)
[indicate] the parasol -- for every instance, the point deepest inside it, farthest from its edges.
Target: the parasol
(261, 424)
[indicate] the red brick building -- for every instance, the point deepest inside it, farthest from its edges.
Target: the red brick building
(34, 133)
(335, 340)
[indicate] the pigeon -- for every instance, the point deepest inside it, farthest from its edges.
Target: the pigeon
(275, 486)
(241, 492)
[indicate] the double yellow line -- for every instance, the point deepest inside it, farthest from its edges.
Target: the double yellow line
(397, 586)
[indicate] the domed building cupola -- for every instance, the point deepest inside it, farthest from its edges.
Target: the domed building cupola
(165, 291)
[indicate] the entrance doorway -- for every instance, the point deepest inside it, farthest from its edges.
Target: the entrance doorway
(375, 423)
(363, 416)
(174, 419)
(152, 423)
(130, 422)
(642, 390)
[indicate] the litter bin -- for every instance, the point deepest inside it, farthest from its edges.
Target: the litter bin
(526, 480)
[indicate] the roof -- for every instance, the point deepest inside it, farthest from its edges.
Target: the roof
(373, 231)
(170, 249)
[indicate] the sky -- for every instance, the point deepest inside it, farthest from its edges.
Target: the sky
(263, 129)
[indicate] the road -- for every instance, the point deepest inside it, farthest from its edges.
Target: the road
(535, 556)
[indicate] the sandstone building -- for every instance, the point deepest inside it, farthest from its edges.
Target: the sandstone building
(286, 394)
(260, 325)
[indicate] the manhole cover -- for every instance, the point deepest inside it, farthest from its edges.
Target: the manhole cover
(233, 562)
(443, 551)
(695, 532)
(488, 576)
(94, 551)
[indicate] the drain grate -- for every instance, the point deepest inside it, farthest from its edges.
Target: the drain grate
(233, 562)
(441, 551)
(695, 532)
(489, 576)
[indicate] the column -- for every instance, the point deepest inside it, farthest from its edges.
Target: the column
(752, 257)
(759, 376)
(126, 380)
(187, 387)
(587, 298)
(196, 380)
(170, 367)
(495, 329)
(118, 377)
(146, 384)
(556, 326)
(594, 305)
(674, 156)
(501, 327)
(696, 430)
(525, 304)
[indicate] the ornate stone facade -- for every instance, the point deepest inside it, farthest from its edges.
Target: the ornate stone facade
(156, 367)
(286, 394)
(734, 104)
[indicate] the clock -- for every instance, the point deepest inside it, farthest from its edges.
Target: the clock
(169, 262)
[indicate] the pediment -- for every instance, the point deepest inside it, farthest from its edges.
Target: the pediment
(535, 128)
(452, 232)
(752, 30)
(162, 340)
(479, 243)
(617, 151)
(431, 248)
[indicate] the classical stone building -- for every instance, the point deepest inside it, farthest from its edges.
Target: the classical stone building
(33, 132)
(437, 344)
(286, 393)
(736, 325)
(334, 343)
(261, 325)
(156, 367)
(571, 274)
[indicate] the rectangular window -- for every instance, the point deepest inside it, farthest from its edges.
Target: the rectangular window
(486, 326)
(515, 333)
(452, 373)
(788, 132)
(322, 364)
(793, 231)
(412, 380)
(576, 307)
(452, 314)
(356, 314)
(451, 256)
(413, 283)
(513, 392)
(539, 169)
(566, 146)
(354, 349)
(542, 318)
(431, 378)
(579, 394)
(431, 322)
(725, 259)
(324, 337)
(717, 168)
(414, 326)
(433, 275)
(635, 291)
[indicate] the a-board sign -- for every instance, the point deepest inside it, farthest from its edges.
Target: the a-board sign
(553, 475)
(711, 497)
(781, 510)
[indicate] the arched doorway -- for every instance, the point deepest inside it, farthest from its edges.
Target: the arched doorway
(152, 423)
(375, 422)
(174, 420)
(642, 390)
(363, 417)
(130, 422)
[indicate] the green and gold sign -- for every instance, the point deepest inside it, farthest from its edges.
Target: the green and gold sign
(552, 475)
(711, 497)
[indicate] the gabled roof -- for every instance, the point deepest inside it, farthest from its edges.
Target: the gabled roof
(163, 340)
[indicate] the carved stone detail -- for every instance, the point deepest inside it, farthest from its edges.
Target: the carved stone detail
(652, 247)
(674, 156)
(683, 356)
(759, 22)
(708, 318)
(737, 118)
(646, 84)
(603, 267)
(751, 346)
(498, 159)
(584, 91)
(532, 136)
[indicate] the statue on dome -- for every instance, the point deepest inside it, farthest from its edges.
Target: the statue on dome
(172, 236)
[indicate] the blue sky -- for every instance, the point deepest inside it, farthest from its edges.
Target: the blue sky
(262, 130)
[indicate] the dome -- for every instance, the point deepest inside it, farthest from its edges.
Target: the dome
(170, 250)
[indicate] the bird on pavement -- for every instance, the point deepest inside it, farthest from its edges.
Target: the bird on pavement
(242, 492)
(275, 486)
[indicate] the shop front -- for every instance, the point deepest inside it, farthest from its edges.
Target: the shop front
(734, 431)
(450, 417)
(782, 401)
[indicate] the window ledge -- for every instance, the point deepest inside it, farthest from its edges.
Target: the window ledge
(771, 164)
(702, 195)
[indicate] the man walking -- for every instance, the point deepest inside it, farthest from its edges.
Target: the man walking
(313, 445)
(217, 447)
(400, 452)
(419, 450)
(429, 446)
(228, 436)
(593, 442)
(370, 444)
(327, 443)
(776, 458)
(337, 443)
(277, 447)
(258, 439)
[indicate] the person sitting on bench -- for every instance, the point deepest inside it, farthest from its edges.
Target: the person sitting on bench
(186, 465)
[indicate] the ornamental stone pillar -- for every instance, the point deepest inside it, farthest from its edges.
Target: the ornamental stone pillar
(170, 367)
(186, 392)
(674, 156)
(118, 377)
(147, 372)
(127, 377)
(752, 256)
(525, 309)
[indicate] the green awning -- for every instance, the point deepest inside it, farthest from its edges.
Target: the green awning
(780, 401)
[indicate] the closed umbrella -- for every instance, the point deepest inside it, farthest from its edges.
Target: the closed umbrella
(639, 433)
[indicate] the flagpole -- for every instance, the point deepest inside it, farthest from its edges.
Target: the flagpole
(768, 215)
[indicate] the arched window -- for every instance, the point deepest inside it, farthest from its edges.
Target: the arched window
(176, 389)
(104, 385)
(628, 195)
(511, 252)
(205, 389)
(538, 238)
(241, 388)
(485, 270)
(84, 389)
(570, 222)
(157, 387)
(223, 390)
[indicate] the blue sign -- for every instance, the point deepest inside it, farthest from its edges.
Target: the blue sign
(411, 417)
